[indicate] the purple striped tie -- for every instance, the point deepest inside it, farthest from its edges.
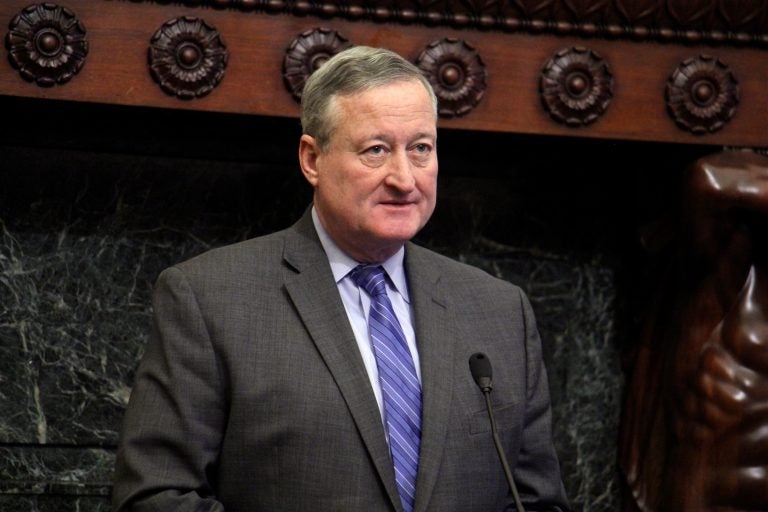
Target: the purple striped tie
(400, 386)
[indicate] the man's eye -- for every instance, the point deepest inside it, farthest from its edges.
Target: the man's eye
(422, 148)
(376, 150)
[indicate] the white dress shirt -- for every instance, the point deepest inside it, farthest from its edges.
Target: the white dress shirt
(357, 303)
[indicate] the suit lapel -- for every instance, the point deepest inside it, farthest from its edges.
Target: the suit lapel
(435, 339)
(310, 284)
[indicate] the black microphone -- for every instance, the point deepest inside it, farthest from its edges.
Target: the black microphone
(480, 366)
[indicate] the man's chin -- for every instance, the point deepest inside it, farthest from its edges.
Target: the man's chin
(397, 234)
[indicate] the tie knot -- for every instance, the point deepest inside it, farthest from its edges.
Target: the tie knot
(371, 277)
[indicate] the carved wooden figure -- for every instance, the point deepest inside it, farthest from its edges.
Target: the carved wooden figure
(695, 433)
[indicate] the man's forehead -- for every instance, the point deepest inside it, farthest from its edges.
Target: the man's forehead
(377, 87)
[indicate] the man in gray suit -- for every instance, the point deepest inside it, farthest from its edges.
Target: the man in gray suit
(325, 367)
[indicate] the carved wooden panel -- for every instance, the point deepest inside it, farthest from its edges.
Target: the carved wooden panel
(736, 21)
(457, 74)
(638, 11)
(187, 57)
(47, 44)
(498, 79)
(307, 52)
(576, 86)
(702, 94)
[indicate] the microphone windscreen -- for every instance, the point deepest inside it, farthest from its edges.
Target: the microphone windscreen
(480, 366)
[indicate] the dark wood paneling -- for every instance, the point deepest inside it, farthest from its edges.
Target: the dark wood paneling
(116, 71)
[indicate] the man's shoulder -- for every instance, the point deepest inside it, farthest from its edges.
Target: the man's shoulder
(454, 271)
(237, 254)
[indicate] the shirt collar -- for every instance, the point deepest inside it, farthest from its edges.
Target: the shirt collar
(342, 264)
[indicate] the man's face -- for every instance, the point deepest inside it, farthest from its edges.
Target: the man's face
(375, 185)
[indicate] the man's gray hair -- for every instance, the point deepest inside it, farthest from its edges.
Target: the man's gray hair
(353, 70)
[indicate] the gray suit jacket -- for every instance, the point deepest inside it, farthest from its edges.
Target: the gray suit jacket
(252, 395)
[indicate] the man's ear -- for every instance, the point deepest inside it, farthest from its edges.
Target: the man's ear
(308, 154)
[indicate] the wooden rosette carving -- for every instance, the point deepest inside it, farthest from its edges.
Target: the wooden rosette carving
(457, 74)
(576, 86)
(47, 44)
(187, 57)
(306, 53)
(702, 94)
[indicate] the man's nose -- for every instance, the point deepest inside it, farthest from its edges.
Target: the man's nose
(400, 172)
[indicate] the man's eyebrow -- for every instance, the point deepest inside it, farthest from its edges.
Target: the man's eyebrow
(365, 138)
(426, 135)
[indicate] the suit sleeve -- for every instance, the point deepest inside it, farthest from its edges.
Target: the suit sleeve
(537, 472)
(172, 429)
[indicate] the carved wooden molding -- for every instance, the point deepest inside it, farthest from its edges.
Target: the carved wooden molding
(702, 94)
(306, 53)
(457, 74)
(576, 86)
(187, 57)
(694, 21)
(47, 44)
(694, 412)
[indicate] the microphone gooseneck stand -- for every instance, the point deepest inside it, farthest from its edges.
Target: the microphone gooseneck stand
(480, 366)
